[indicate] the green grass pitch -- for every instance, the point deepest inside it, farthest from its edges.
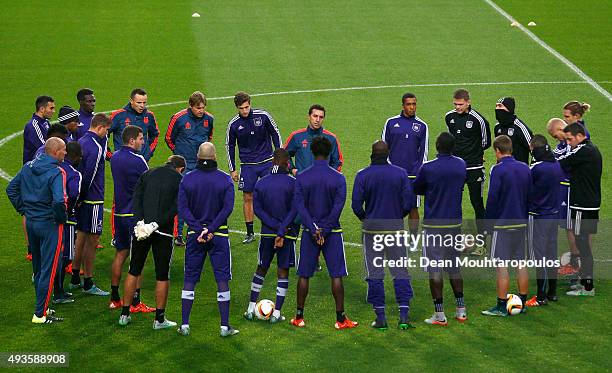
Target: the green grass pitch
(272, 46)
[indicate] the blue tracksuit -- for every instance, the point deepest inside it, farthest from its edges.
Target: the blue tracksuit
(92, 168)
(546, 174)
(507, 208)
(255, 136)
(320, 194)
(407, 138)
(273, 203)
(441, 181)
(126, 167)
(38, 192)
(205, 200)
(298, 146)
(386, 193)
(186, 132)
(508, 193)
(145, 120)
(34, 135)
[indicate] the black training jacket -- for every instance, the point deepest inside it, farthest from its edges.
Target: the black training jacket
(472, 135)
(155, 197)
(584, 165)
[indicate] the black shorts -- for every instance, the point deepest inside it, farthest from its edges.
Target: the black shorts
(584, 221)
(476, 175)
(162, 255)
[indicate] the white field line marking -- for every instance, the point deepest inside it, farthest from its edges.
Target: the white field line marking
(552, 51)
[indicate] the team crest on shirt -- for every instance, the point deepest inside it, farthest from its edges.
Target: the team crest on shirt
(127, 121)
(146, 120)
(257, 121)
(304, 143)
(206, 123)
(510, 131)
(240, 128)
(187, 126)
(469, 124)
(416, 127)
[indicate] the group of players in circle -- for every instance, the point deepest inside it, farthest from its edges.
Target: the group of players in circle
(292, 186)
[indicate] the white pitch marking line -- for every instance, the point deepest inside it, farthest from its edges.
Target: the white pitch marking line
(552, 51)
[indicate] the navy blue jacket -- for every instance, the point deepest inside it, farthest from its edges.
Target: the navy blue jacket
(546, 175)
(298, 146)
(126, 167)
(145, 120)
(508, 197)
(38, 190)
(386, 192)
(186, 132)
(206, 198)
(273, 203)
(320, 194)
(255, 136)
(441, 181)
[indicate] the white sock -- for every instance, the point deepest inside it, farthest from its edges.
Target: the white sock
(251, 307)
(276, 314)
(440, 316)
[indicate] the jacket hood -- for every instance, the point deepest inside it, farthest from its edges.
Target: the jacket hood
(43, 163)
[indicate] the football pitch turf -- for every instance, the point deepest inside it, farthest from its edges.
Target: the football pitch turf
(300, 53)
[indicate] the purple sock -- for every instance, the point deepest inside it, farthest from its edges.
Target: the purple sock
(223, 301)
(187, 301)
(281, 291)
(256, 286)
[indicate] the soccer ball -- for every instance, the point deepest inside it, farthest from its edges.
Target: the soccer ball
(264, 309)
(514, 305)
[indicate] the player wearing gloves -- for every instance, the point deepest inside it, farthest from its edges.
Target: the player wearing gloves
(154, 206)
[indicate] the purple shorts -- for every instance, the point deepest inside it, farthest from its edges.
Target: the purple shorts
(250, 173)
(333, 252)
(443, 258)
(90, 218)
(218, 249)
(508, 244)
(124, 231)
(285, 256)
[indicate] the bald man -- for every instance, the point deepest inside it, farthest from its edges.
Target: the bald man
(555, 128)
(205, 201)
(38, 192)
(154, 201)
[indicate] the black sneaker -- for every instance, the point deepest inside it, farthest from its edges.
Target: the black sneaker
(552, 298)
(178, 241)
(249, 238)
